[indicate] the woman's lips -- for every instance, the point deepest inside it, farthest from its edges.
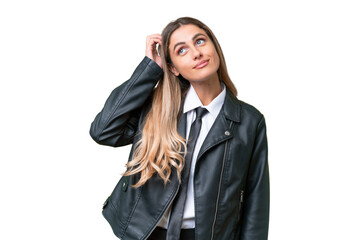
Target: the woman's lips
(201, 64)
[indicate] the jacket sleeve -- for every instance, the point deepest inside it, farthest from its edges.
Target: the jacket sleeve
(117, 123)
(255, 219)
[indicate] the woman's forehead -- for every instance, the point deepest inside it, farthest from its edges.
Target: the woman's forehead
(185, 33)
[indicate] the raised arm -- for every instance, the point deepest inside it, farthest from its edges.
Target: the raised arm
(117, 123)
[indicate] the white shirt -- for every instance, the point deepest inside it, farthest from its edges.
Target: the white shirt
(191, 102)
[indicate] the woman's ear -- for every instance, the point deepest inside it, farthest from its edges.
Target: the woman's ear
(174, 70)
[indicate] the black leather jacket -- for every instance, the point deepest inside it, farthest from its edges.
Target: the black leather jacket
(231, 180)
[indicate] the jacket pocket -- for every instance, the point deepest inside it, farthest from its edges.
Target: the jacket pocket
(239, 214)
(123, 184)
(118, 206)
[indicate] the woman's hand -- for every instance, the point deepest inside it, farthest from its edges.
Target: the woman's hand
(151, 52)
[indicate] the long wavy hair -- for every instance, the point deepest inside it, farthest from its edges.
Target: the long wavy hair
(161, 148)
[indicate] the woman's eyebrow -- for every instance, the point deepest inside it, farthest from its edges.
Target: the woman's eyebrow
(194, 37)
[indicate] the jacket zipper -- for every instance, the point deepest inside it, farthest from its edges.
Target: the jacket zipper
(241, 197)
(218, 196)
(241, 203)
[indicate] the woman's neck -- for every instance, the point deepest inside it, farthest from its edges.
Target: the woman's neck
(207, 90)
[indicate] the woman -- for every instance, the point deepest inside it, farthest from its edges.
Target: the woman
(188, 176)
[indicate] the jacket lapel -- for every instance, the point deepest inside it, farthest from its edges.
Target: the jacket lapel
(219, 132)
(222, 127)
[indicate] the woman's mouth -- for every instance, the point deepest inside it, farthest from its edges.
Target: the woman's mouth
(201, 64)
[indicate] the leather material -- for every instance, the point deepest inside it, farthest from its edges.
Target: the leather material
(231, 179)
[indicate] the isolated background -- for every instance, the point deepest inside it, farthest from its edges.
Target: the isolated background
(298, 62)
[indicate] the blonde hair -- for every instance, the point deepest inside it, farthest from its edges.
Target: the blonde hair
(161, 147)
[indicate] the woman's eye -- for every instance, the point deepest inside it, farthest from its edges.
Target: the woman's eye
(181, 51)
(200, 41)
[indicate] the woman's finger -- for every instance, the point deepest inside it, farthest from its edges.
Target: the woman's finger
(152, 42)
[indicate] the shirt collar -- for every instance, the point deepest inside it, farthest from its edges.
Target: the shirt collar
(192, 101)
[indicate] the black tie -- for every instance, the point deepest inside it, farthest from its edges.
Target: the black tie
(174, 227)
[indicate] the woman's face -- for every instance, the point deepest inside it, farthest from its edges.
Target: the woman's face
(193, 54)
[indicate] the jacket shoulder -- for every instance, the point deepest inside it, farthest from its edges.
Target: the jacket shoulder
(251, 116)
(240, 111)
(250, 109)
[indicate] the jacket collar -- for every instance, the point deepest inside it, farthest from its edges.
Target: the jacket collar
(232, 108)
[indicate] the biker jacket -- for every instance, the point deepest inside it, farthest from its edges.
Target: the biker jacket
(231, 179)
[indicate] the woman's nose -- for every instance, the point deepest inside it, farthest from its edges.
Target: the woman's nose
(196, 53)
